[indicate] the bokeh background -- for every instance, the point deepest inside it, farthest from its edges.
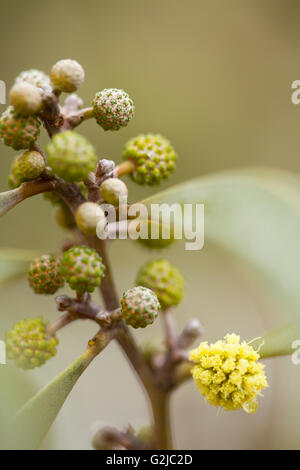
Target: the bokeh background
(215, 78)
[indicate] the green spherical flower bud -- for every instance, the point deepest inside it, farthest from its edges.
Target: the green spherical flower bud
(82, 268)
(71, 156)
(114, 191)
(88, 216)
(15, 178)
(139, 307)
(34, 77)
(31, 164)
(25, 167)
(26, 98)
(64, 217)
(155, 244)
(113, 109)
(28, 344)
(164, 279)
(67, 75)
(153, 158)
(157, 235)
(45, 276)
(17, 131)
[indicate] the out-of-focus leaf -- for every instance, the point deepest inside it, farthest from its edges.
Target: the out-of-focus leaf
(254, 214)
(279, 342)
(14, 263)
(15, 389)
(33, 421)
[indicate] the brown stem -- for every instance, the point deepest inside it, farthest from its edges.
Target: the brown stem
(191, 332)
(158, 397)
(9, 199)
(61, 322)
(70, 193)
(77, 117)
(160, 403)
(85, 309)
(135, 357)
(107, 287)
(51, 115)
(170, 328)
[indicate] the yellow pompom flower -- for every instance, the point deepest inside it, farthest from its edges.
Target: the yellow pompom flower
(227, 373)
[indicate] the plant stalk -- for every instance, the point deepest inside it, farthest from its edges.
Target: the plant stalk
(160, 403)
(157, 395)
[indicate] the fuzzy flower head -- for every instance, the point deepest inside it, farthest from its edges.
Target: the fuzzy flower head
(34, 77)
(153, 158)
(28, 343)
(17, 131)
(113, 109)
(227, 373)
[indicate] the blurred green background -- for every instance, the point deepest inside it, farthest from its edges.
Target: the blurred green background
(215, 78)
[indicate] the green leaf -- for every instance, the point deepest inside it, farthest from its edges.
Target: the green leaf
(254, 214)
(16, 388)
(33, 421)
(279, 342)
(14, 263)
(10, 199)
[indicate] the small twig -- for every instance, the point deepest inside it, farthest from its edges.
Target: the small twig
(9, 199)
(51, 114)
(69, 192)
(191, 332)
(170, 329)
(83, 308)
(168, 364)
(107, 319)
(77, 117)
(60, 323)
(93, 188)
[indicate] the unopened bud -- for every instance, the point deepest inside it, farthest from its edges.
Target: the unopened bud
(88, 216)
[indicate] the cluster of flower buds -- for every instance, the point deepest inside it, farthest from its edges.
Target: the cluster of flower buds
(35, 100)
(227, 372)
